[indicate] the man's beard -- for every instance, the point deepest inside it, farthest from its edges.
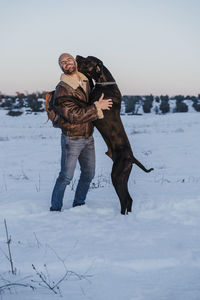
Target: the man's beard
(71, 70)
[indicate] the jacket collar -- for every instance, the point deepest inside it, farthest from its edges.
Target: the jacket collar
(74, 83)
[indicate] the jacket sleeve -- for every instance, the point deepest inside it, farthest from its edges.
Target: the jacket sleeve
(75, 113)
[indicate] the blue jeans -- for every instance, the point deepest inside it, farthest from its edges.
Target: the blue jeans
(73, 149)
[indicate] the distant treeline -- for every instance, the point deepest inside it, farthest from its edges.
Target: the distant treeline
(20, 103)
(33, 103)
(160, 104)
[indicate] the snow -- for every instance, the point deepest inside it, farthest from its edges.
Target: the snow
(151, 254)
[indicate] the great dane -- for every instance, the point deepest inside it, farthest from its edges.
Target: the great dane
(111, 127)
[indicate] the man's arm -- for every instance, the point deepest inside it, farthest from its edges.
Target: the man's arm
(76, 113)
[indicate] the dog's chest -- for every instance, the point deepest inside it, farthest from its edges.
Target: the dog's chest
(109, 92)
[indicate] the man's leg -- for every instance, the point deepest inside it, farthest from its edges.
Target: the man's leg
(87, 164)
(69, 157)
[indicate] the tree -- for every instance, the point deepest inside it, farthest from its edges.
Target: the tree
(179, 97)
(147, 105)
(196, 104)
(164, 105)
(129, 104)
(34, 103)
(181, 106)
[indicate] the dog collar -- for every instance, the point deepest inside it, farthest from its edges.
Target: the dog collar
(106, 83)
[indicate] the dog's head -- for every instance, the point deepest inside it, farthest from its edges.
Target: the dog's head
(90, 66)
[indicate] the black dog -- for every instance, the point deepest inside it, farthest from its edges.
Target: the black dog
(111, 127)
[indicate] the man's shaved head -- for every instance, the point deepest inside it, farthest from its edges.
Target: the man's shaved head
(63, 56)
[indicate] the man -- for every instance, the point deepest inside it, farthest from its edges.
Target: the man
(77, 143)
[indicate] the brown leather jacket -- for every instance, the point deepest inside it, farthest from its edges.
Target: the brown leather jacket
(71, 102)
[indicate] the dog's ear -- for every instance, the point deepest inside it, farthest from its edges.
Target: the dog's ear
(99, 68)
(79, 57)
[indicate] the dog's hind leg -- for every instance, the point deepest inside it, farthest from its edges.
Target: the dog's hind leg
(120, 174)
(130, 202)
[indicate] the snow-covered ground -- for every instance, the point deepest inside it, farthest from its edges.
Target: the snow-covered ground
(151, 254)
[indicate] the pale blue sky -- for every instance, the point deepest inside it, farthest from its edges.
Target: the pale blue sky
(150, 46)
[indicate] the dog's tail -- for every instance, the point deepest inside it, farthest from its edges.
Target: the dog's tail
(140, 165)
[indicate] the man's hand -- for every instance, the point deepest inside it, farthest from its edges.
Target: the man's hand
(105, 103)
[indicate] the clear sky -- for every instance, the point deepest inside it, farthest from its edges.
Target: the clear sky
(149, 46)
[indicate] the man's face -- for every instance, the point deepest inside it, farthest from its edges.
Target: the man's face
(68, 64)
